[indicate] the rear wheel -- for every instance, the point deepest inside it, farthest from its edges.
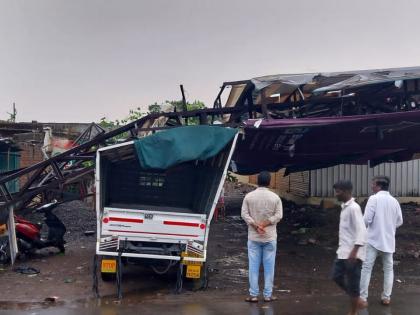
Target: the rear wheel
(201, 283)
(108, 277)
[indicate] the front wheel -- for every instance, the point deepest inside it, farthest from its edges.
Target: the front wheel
(4, 250)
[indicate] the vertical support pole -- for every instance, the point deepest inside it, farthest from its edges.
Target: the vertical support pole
(95, 287)
(12, 236)
(264, 107)
(184, 101)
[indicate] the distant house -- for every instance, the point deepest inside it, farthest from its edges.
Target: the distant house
(9, 160)
(33, 142)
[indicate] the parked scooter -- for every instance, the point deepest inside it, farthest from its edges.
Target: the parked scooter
(28, 234)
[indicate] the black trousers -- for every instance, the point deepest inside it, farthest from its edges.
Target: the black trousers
(347, 275)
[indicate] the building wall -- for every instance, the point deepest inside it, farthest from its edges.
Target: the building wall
(31, 154)
(9, 161)
(405, 178)
(295, 184)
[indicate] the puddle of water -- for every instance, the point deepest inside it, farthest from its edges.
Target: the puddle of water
(305, 305)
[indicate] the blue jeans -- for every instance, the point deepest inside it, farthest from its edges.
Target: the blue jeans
(264, 252)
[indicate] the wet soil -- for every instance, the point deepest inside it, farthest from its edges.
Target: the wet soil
(307, 239)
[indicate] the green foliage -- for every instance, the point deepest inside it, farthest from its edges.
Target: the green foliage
(179, 106)
(133, 115)
(154, 108)
(231, 178)
(137, 113)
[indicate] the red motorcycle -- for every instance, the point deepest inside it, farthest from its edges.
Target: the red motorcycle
(28, 234)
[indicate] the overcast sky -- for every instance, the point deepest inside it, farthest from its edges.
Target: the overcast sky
(80, 60)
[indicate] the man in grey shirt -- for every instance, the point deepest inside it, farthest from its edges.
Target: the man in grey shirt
(262, 210)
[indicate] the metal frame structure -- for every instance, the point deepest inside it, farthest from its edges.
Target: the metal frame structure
(46, 180)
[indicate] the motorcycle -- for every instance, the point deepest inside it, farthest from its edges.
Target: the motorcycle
(28, 234)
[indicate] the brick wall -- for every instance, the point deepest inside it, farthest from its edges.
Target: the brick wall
(296, 184)
(30, 154)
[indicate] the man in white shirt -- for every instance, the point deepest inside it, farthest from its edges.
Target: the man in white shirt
(262, 210)
(351, 241)
(382, 217)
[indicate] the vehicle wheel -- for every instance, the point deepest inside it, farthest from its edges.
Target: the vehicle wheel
(200, 283)
(108, 277)
(4, 251)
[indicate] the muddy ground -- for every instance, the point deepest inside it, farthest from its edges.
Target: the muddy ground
(307, 239)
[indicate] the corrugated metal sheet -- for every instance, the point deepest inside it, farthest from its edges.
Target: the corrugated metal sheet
(405, 178)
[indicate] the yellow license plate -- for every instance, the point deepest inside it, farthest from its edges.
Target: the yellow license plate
(109, 265)
(193, 272)
(189, 262)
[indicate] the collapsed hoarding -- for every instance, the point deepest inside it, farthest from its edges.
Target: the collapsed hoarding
(325, 94)
(315, 120)
(311, 143)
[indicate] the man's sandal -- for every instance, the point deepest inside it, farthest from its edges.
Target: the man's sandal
(270, 299)
(386, 302)
(251, 299)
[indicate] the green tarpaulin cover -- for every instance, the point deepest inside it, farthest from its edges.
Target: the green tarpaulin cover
(170, 147)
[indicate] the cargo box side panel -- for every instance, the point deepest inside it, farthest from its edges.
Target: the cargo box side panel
(146, 225)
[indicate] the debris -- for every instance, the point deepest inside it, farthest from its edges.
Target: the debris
(68, 280)
(312, 241)
(283, 291)
(51, 299)
(26, 270)
(328, 204)
(303, 242)
(299, 231)
(89, 233)
(398, 280)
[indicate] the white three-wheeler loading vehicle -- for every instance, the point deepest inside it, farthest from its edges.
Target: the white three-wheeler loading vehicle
(155, 198)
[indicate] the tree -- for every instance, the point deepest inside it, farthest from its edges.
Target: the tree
(154, 108)
(137, 113)
(179, 106)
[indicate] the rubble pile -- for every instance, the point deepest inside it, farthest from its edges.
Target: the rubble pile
(76, 216)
